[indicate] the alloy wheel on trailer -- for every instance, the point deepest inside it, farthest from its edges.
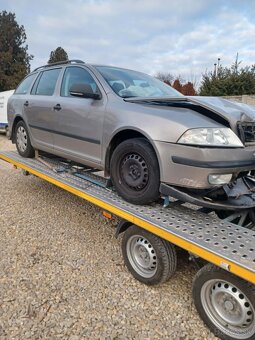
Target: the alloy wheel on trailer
(225, 302)
(149, 258)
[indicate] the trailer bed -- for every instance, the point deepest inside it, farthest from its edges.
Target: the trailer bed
(225, 244)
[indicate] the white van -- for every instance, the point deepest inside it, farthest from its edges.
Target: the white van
(4, 96)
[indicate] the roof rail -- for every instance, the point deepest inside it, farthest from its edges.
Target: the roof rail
(72, 61)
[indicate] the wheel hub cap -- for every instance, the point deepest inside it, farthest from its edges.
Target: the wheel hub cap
(21, 138)
(134, 171)
(228, 308)
(142, 256)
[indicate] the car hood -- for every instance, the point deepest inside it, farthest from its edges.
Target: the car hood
(230, 111)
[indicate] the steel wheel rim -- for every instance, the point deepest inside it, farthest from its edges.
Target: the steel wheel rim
(228, 308)
(134, 171)
(21, 138)
(142, 256)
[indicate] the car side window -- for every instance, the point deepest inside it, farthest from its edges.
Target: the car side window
(76, 75)
(45, 84)
(24, 86)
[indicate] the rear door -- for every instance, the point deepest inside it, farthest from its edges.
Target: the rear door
(39, 109)
(79, 126)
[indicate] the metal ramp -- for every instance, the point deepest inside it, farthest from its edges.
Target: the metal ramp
(225, 244)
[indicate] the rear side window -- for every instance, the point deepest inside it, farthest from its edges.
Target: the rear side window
(45, 86)
(24, 86)
(77, 75)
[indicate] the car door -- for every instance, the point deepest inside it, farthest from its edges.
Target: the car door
(39, 109)
(79, 127)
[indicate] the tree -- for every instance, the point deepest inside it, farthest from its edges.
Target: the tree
(177, 85)
(166, 77)
(14, 57)
(188, 89)
(229, 81)
(59, 54)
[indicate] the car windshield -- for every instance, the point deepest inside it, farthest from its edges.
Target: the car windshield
(127, 83)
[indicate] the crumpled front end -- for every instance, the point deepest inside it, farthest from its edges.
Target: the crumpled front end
(238, 195)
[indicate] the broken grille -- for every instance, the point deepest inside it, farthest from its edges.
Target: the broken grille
(247, 131)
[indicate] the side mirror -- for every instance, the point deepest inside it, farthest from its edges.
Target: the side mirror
(83, 91)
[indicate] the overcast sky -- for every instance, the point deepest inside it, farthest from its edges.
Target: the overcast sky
(177, 36)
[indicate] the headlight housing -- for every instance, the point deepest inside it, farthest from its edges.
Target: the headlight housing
(219, 137)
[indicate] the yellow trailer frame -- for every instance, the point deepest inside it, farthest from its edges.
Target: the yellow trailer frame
(222, 255)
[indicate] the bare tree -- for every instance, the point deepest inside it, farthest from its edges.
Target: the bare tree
(166, 77)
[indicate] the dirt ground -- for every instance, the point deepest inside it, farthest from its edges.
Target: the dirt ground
(62, 273)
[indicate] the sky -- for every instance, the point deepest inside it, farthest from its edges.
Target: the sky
(182, 37)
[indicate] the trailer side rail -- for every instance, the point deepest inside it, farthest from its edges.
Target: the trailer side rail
(221, 243)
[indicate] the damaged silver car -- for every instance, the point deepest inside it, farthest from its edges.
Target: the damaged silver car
(151, 140)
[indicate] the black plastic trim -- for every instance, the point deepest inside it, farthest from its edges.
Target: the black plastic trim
(213, 164)
(179, 194)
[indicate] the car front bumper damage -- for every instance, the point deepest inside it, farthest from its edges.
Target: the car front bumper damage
(185, 171)
(238, 195)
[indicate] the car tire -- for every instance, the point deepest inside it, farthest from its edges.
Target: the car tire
(134, 171)
(225, 303)
(149, 258)
(22, 141)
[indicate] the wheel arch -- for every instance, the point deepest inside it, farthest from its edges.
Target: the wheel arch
(122, 226)
(121, 136)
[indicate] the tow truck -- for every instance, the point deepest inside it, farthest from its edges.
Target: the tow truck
(224, 249)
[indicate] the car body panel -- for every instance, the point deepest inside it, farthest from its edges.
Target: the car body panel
(41, 119)
(79, 128)
(84, 128)
(197, 177)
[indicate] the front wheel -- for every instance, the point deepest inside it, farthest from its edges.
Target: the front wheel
(22, 140)
(225, 303)
(135, 171)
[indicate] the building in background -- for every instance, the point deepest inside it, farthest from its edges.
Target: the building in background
(4, 96)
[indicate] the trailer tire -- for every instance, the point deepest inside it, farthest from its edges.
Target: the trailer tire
(149, 258)
(225, 303)
(22, 140)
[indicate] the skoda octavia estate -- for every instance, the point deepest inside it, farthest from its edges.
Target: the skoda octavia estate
(146, 136)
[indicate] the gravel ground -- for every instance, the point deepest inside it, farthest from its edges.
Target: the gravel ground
(62, 273)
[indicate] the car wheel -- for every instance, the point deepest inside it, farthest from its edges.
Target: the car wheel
(225, 303)
(22, 141)
(135, 171)
(149, 258)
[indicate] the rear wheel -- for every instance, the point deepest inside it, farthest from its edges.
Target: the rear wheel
(135, 171)
(225, 303)
(22, 141)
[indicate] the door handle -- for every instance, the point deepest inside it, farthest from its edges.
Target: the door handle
(26, 103)
(57, 107)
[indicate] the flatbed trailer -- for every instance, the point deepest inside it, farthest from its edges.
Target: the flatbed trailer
(223, 289)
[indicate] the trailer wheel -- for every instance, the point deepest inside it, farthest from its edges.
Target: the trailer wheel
(225, 303)
(149, 258)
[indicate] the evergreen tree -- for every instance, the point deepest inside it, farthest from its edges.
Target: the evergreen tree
(14, 57)
(59, 54)
(229, 81)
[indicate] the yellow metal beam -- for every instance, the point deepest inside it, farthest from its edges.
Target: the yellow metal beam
(181, 242)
